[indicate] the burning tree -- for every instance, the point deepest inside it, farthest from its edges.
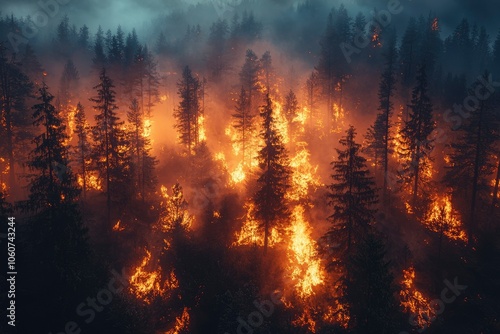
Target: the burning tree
(110, 144)
(249, 78)
(83, 149)
(415, 136)
(472, 159)
(274, 181)
(244, 124)
(188, 112)
(15, 86)
(379, 134)
(352, 196)
(140, 149)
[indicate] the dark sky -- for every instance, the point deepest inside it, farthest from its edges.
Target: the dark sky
(128, 13)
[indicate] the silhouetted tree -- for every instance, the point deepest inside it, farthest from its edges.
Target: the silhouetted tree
(110, 145)
(188, 111)
(243, 123)
(82, 149)
(369, 288)
(352, 195)
(274, 180)
(472, 159)
(416, 136)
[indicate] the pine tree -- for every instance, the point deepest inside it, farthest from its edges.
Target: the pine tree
(99, 60)
(274, 180)
(243, 122)
(408, 54)
(369, 288)
(416, 136)
(54, 230)
(352, 196)
(216, 59)
(472, 158)
(152, 83)
(249, 79)
(381, 144)
(82, 150)
(291, 106)
(110, 148)
(188, 112)
(15, 87)
(140, 149)
(68, 88)
(31, 66)
(55, 184)
(267, 71)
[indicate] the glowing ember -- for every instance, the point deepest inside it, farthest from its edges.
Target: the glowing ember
(117, 227)
(414, 302)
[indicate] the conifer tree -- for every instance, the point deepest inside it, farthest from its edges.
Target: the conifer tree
(188, 112)
(380, 132)
(274, 180)
(416, 136)
(473, 156)
(352, 195)
(82, 149)
(110, 144)
(369, 288)
(243, 122)
(249, 79)
(140, 149)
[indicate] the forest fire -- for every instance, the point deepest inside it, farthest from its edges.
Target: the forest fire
(443, 219)
(146, 284)
(305, 268)
(181, 323)
(220, 157)
(414, 302)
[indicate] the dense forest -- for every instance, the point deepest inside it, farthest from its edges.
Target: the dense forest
(229, 167)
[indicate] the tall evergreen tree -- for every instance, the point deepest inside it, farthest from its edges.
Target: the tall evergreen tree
(243, 122)
(369, 288)
(291, 106)
(140, 149)
(54, 185)
(82, 149)
(188, 112)
(352, 195)
(99, 60)
(473, 156)
(15, 88)
(381, 132)
(274, 180)
(249, 79)
(416, 136)
(110, 148)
